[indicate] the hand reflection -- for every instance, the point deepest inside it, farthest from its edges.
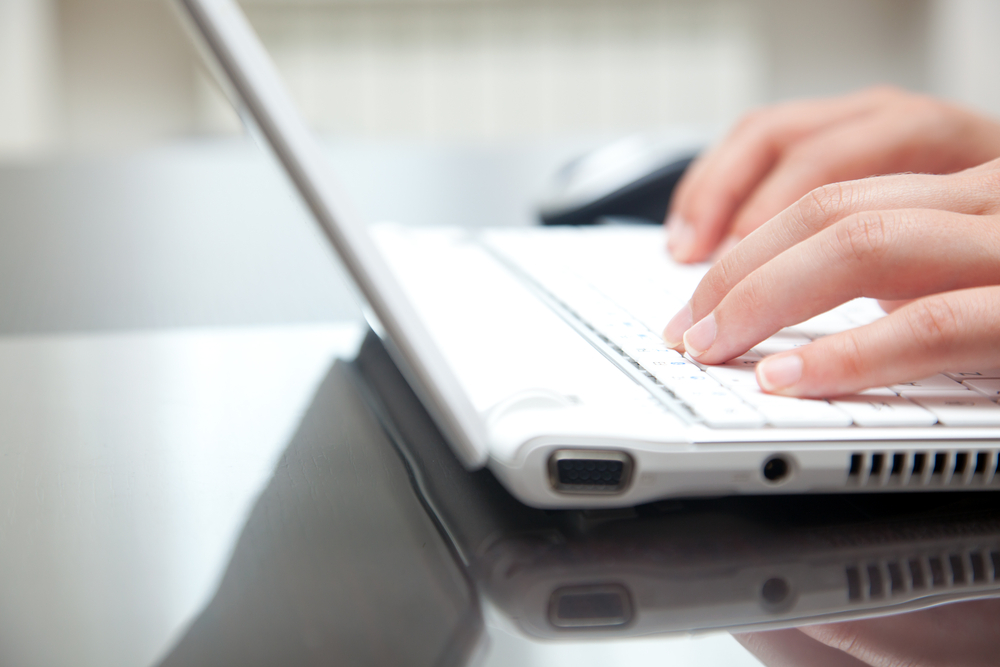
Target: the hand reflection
(956, 634)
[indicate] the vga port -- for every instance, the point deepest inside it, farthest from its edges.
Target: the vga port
(589, 471)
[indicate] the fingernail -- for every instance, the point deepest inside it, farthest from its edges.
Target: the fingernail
(779, 373)
(701, 336)
(673, 334)
(680, 237)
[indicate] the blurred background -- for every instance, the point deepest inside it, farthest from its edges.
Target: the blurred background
(113, 74)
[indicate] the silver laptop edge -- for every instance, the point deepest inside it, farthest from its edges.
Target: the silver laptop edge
(254, 79)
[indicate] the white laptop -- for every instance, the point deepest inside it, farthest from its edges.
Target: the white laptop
(537, 352)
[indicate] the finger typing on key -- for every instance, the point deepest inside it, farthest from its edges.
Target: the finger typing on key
(926, 245)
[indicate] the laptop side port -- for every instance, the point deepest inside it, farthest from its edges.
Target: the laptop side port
(590, 607)
(590, 471)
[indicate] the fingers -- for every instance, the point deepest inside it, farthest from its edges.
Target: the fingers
(778, 154)
(970, 193)
(883, 254)
(718, 184)
(942, 332)
(792, 648)
(953, 634)
(855, 148)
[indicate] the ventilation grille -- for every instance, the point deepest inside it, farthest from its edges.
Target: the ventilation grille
(916, 469)
(903, 577)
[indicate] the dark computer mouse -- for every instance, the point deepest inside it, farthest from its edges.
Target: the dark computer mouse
(631, 178)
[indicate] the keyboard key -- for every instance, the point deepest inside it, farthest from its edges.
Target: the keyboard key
(726, 413)
(748, 360)
(690, 386)
(650, 356)
(778, 410)
(988, 388)
(626, 290)
(892, 410)
(825, 324)
(737, 378)
(676, 370)
(989, 374)
(635, 340)
(877, 391)
(968, 409)
(936, 384)
(718, 406)
(796, 412)
(783, 341)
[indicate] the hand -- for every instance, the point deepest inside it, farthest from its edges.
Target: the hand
(778, 154)
(931, 239)
(955, 634)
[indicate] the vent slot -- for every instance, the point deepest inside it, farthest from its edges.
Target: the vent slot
(898, 463)
(961, 461)
(978, 567)
(896, 577)
(918, 576)
(937, 571)
(877, 460)
(916, 469)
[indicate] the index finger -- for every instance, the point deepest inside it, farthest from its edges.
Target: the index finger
(816, 211)
(717, 184)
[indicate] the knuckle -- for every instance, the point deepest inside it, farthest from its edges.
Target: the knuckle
(989, 185)
(713, 287)
(865, 238)
(751, 295)
(849, 353)
(829, 200)
(815, 210)
(933, 322)
(723, 274)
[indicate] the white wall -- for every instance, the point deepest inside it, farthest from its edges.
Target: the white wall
(28, 76)
(503, 70)
(127, 73)
(965, 52)
(86, 74)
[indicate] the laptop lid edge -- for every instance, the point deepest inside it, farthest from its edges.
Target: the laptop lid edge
(253, 77)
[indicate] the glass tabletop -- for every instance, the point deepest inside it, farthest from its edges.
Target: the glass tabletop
(276, 495)
(371, 545)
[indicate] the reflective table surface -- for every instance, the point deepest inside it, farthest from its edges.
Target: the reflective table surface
(278, 496)
(182, 490)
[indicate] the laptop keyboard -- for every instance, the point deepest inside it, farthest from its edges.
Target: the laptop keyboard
(618, 285)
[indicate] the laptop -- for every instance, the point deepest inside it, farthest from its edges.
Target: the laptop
(693, 565)
(537, 351)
